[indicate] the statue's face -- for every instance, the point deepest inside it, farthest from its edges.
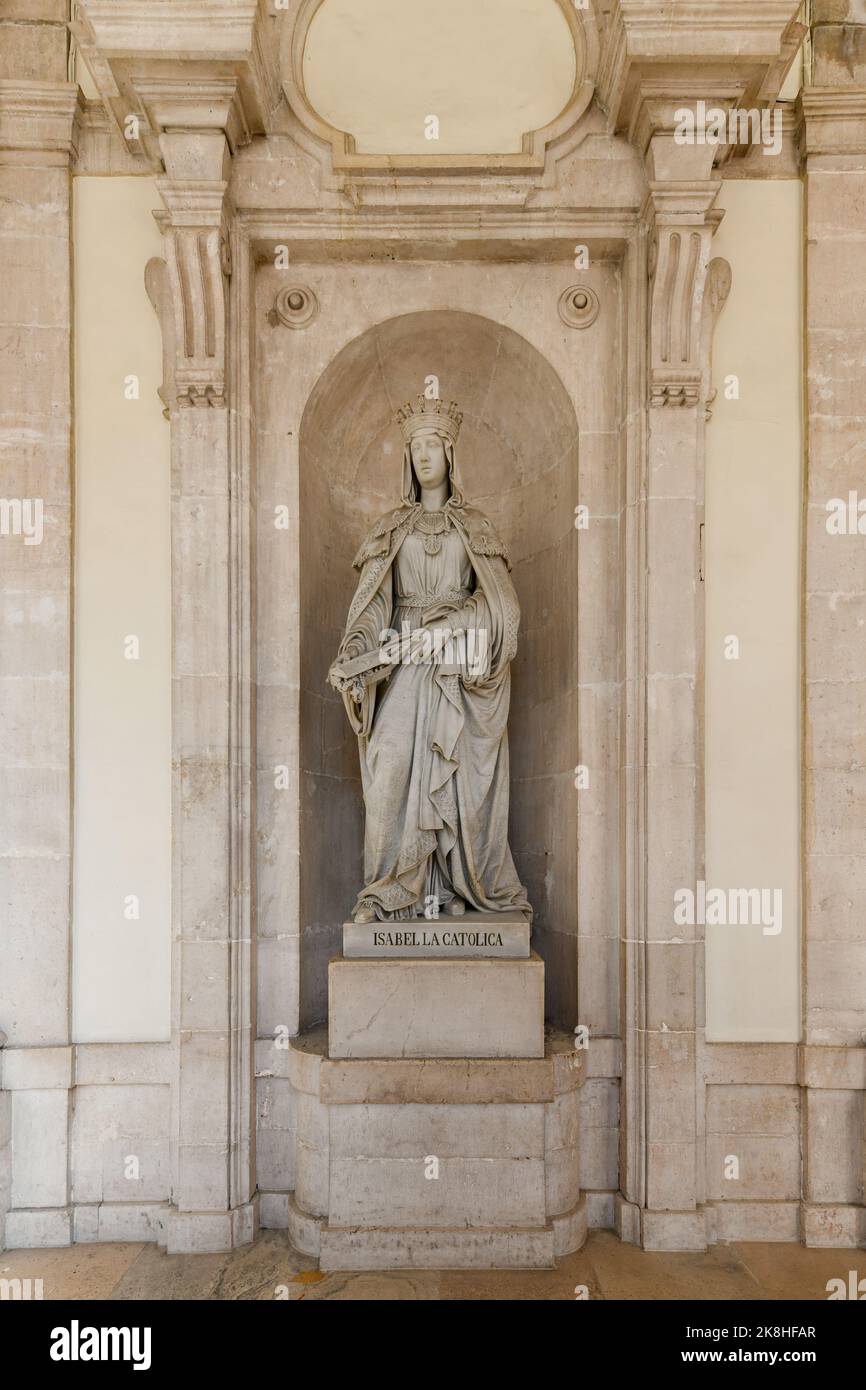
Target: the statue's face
(429, 459)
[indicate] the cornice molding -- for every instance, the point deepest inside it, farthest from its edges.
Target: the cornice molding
(552, 231)
(161, 28)
(834, 120)
(193, 202)
(176, 103)
(38, 116)
(188, 64)
(656, 58)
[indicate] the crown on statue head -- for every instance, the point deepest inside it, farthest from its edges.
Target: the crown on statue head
(425, 414)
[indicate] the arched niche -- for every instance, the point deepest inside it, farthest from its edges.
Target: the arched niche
(517, 459)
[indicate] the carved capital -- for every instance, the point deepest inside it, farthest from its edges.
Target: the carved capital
(188, 291)
(687, 290)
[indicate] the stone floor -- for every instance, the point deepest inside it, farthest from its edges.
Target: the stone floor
(272, 1269)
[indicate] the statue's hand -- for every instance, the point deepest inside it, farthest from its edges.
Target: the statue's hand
(346, 685)
(339, 680)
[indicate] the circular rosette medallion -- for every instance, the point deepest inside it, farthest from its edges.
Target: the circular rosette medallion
(296, 306)
(578, 306)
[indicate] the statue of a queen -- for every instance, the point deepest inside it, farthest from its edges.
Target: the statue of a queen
(432, 734)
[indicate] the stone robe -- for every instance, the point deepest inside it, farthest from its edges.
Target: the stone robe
(434, 746)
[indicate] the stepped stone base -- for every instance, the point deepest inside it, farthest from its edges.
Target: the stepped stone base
(437, 1249)
(437, 1163)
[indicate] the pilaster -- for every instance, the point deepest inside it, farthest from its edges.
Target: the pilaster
(680, 220)
(212, 1182)
(37, 129)
(186, 84)
(653, 65)
(834, 879)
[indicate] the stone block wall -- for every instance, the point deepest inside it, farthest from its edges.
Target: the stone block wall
(620, 670)
(37, 113)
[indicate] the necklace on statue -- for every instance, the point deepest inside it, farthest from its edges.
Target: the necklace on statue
(432, 526)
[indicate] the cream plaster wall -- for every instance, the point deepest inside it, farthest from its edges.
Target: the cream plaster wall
(122, 710)
(121, 967)
(490, 70)
(752, 560)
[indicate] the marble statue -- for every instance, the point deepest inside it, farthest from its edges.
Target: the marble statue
(424, 671)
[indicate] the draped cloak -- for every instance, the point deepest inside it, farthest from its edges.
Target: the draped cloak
(433, 746)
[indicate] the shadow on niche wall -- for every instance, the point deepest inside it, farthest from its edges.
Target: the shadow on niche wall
(517, 461)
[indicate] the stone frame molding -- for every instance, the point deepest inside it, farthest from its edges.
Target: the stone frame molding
(559, 134)
(203, 78)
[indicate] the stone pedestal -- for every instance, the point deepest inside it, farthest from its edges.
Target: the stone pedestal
(437, 1163)
(436, 1008)
(437, 1122)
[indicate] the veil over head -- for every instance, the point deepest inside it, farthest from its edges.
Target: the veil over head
(410, 492)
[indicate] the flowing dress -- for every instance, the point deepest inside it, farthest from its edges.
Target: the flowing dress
(434, 746)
